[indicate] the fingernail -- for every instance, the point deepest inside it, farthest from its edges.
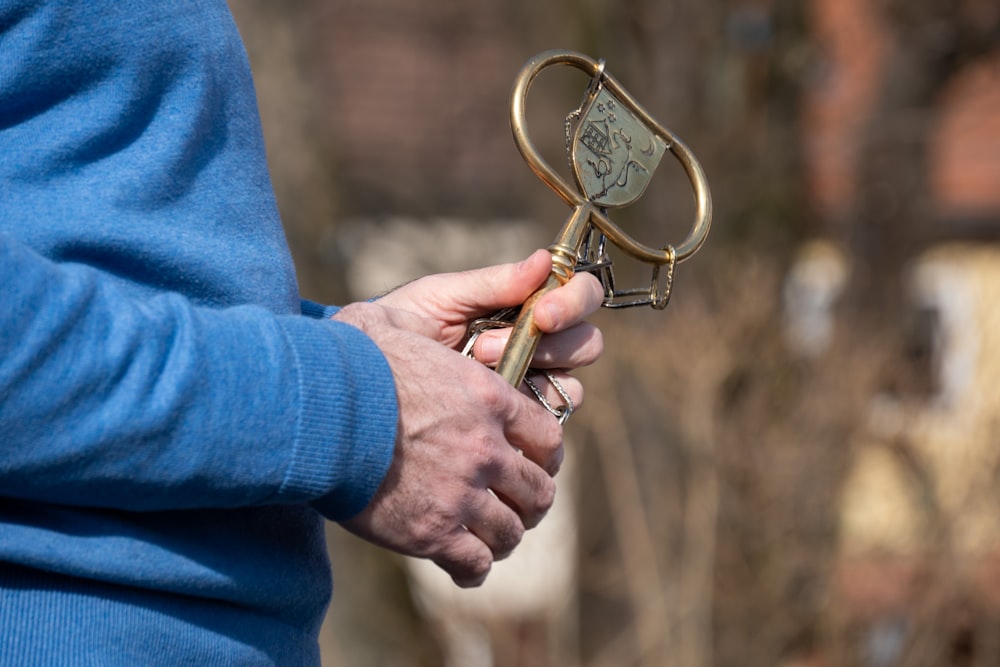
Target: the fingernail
(549, 314)
(490, 348)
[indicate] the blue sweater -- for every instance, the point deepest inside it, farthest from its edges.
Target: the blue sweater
(173, 419)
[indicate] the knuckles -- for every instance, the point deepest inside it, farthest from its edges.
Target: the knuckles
(474, 575)
(468, 564)
(433, 523)
(544, 498)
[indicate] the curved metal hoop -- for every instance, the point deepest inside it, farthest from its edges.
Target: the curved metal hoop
(595, 69)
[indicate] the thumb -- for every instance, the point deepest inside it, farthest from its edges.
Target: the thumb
(505, 285)
(458, 297)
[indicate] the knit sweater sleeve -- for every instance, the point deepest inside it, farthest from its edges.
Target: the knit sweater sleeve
(114, 401)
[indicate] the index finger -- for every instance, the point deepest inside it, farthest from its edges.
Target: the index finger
(533, 431)
(569, 304)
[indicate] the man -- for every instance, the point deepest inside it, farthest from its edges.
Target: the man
(174, 422)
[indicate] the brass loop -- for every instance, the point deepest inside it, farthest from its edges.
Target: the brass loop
(595, 69)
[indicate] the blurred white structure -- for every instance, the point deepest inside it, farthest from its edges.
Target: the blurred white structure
(952, 430)
(814, 282)
(534, 585)
(384, 254)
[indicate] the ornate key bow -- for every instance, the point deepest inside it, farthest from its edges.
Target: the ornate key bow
(613, 146)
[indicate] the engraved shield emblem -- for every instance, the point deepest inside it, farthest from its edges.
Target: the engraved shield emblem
(612, 153)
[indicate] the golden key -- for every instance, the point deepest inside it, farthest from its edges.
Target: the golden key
(614, 146)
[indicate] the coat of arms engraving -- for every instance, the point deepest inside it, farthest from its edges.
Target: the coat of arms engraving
(613, 154)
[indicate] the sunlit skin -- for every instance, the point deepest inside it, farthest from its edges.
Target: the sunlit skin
(467, 481)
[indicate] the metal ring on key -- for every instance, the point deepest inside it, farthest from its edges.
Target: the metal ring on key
(595, 69)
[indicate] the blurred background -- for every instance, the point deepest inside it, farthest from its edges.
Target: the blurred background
(797, 463)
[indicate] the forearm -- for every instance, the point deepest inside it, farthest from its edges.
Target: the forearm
(114, 402)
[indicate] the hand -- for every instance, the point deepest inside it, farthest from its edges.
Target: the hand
(457, 491)
(453, 300)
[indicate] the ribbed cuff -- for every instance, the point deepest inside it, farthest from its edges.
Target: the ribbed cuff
(346, 427)
(318, 311)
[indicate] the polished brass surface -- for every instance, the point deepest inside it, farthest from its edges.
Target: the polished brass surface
(614, 147)
(612, 153)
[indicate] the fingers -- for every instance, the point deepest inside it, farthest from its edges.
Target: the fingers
(563, 307)
(519, 464)
(494, 520)
(468, 562)
(474, 458)
(580, 345)
(509, 495)
(464, 295)
(452, 300)
(503, 285)
(570, 342)
(493, 528)
(496, 524)
(531, 430)
(569, 384)
(528, 491)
